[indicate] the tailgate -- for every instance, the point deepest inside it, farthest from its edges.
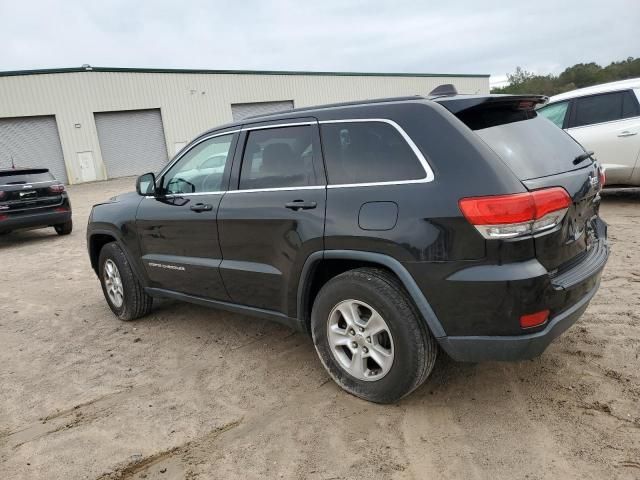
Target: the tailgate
(580, 229)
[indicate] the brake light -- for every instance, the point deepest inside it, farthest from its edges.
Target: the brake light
(518, 214)
(534, 319)
(601, 176)
(3, 217)
(2, 194)
(58, 188)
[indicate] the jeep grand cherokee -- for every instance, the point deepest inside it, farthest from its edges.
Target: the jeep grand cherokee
(385, 229)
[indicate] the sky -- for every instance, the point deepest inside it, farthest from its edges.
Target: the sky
(490, 37)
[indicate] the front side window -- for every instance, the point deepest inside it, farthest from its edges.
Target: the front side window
(556, 112)
(201, 169)
(368, 152)
(598, 109)
(278, 158)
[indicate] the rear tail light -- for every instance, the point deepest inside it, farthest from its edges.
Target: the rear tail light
(3, 217)
(518, 214)
(59, 188)
(2, 194)
(601, 177)
(534, 319)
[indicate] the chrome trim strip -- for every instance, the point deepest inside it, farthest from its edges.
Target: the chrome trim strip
(279, 189)
(54, 182)
(276, 125)
(174, 195)
(423, 161)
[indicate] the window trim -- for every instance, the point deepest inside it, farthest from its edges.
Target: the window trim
(574, 105)
(429, 176)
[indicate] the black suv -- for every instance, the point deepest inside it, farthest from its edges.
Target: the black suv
(33, 198)
(385, 229)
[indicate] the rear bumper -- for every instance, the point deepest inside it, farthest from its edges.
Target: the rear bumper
(34, 220)
(516, 347)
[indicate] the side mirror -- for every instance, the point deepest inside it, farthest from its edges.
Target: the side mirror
(146, 184)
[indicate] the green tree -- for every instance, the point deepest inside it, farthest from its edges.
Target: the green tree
(577, 76)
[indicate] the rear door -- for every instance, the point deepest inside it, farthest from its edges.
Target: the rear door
(609, 124)
(177, 229)
(274, 218)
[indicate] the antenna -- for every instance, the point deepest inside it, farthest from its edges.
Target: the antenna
(445, 90)
(13, 165)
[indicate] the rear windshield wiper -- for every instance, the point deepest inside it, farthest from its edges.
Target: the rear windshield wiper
(582, 157)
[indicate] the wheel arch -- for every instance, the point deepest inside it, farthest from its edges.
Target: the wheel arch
(313, 277)
(98, 238)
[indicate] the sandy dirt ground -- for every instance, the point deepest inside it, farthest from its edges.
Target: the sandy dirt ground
(189, 392)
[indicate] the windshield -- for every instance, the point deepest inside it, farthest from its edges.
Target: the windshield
(555, 112)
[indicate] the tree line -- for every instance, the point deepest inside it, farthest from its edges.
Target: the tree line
(578, 76)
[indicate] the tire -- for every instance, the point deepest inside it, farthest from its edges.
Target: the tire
(64, 228)
(406, 340)
(133, 302)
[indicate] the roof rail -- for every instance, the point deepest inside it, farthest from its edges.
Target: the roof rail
(341, 104)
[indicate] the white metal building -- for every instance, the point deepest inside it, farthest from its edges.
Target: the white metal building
(93, 123)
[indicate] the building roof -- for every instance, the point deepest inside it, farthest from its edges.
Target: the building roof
(602, 88)
(229, 72)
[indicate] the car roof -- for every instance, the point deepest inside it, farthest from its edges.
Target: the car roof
(339, 110)
(602, 88)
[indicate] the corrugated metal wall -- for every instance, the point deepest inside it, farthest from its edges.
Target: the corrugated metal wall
(189, 102)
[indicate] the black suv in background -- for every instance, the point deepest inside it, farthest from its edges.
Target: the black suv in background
(33, 198)
(385, 229)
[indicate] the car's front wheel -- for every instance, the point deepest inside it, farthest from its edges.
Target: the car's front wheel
(370, 337)
(122, 290)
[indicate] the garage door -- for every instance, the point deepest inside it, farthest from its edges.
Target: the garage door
(131, 142)
(32, 142)
(240, 111)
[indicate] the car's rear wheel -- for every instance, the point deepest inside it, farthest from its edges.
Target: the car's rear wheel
(370, 337)
(64, 228)
(122, 290)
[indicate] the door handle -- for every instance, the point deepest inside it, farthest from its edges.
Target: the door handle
(300, 205)
(201, 207)
(627, 133)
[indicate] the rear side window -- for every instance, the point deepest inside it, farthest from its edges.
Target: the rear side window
(278, 158)
(367, 152)
(604, 108)
(556, 112)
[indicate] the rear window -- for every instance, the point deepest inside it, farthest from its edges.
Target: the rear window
(532, 147)
(16, 177)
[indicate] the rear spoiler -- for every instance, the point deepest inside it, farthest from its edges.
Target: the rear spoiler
(459, 103)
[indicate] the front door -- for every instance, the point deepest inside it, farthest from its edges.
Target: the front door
(275, 218)
(177, 228)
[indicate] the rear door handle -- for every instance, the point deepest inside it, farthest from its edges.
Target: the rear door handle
(201, 207)
(627, 133)
(300, 205)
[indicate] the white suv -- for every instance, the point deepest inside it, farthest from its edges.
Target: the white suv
(606, 119)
